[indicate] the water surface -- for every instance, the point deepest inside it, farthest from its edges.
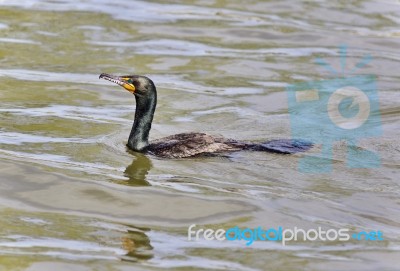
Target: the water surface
(72, 196)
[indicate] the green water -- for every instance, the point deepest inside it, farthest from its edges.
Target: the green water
(73, 198)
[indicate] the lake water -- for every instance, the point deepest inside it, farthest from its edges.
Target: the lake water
(72, 196)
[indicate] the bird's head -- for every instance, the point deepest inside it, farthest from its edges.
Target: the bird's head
(135, 84)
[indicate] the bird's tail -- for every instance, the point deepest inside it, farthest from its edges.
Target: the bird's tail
(285, 146)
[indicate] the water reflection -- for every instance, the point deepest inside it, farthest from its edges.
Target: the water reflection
(137, 245)
(137, 171)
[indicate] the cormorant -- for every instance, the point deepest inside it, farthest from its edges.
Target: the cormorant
(184, 144)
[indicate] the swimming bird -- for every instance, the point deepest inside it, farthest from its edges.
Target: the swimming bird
(184, 144)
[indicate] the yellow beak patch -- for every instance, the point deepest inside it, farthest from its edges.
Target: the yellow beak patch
(129, 87)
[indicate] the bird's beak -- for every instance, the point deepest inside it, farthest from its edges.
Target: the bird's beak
(119, 80)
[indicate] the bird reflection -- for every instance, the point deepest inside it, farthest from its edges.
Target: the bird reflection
(137, 171)
(137, 245)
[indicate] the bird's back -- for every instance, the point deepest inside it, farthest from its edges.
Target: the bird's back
(191, 144)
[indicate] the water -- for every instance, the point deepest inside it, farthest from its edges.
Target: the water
(73, 198)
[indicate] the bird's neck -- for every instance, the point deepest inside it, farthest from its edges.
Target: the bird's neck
(145, 107)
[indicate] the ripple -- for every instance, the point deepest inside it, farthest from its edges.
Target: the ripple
(178, 82)
(12, 138)
(68, 249)
(143, 11)
(167, 81)
(94, 114)
(35, 221)
(62, 162)
(170, 47)
(240, 112)
(22, 41)
(46, 76)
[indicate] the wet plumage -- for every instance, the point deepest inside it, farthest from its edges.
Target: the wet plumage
(192, 144)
